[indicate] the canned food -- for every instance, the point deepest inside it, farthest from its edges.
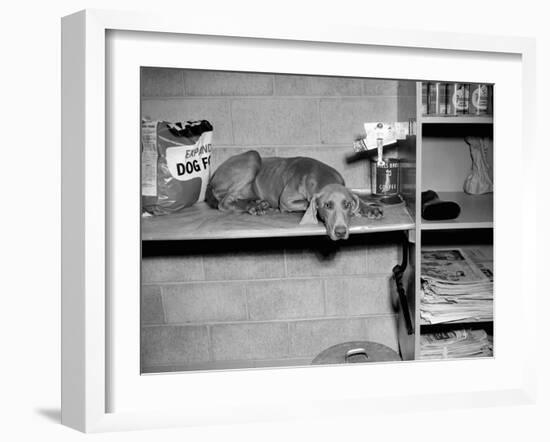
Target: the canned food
(424, 98)
(459, 98)
(479, 99)
(437, 98)
(385, 177)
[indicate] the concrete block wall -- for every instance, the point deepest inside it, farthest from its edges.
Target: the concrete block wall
(283, 115)
(255, 303)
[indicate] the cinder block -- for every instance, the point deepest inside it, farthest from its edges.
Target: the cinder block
(355, 174)
(196, 302)
(406, 87)
(358, 296)
(220, 154)
(285, 299)
(308, 85)
(309, 338)
(212, 83)
(407, 108)
(250, 340)
(345, 260)
(342, 119)
(151, 305)
(172, 269)
(275, 121)
(381, 258)
(383, 329)
(174, 345)
(161, 82)
(244, 265)
(380, 87)
(214, 110)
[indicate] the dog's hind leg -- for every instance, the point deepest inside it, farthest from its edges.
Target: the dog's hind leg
(232, 182)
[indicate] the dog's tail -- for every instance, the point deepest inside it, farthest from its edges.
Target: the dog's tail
(209, 197)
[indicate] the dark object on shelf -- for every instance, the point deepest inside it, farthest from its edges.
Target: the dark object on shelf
(391, 199)
(433, 209)
(356, 352)
(398, 272)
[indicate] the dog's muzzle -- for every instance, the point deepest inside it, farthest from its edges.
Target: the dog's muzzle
(341, 232)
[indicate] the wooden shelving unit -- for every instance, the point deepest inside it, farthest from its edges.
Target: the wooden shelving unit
(476, 210)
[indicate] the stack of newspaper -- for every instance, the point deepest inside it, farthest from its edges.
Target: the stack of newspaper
(455, 344)
(457, 285)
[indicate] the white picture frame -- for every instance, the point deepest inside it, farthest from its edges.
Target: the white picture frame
(89, 315)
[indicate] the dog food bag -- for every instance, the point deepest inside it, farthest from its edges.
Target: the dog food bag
(175, 164)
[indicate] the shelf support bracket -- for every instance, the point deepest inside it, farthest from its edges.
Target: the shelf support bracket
(398, 272)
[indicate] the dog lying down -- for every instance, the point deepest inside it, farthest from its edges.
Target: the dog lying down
(249, 183)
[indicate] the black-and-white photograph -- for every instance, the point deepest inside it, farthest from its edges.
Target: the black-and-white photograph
(302, 220)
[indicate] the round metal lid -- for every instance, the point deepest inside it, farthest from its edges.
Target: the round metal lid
(356, 352)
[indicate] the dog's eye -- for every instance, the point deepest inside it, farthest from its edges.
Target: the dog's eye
(346, 204)
(329, 205)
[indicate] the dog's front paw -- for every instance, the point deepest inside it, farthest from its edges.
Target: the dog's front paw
(258, 207)
(372, 211)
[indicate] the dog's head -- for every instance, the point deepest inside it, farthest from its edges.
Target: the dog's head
(335, 205)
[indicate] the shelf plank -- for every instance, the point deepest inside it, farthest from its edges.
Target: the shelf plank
(476, 212)
(202, 222)
(465, 321)
(456, 119)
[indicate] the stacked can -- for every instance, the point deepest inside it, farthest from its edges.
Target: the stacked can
(456, 98)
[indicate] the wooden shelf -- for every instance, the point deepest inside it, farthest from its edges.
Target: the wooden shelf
(456, 119)
(476, 212)
(202, 222)
(464, 322)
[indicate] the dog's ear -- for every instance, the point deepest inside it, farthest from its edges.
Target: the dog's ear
(310, 216)
(355, 204)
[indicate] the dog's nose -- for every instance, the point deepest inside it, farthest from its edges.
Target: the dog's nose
(340, 231)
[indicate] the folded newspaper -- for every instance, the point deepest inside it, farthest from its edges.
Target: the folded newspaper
(456, 344)
(456, 285)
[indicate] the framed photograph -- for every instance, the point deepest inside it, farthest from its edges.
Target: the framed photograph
(268, 224)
